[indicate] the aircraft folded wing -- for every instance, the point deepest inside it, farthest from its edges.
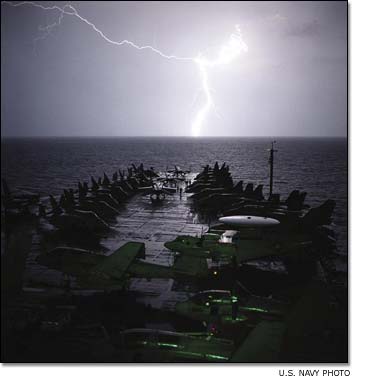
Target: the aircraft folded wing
(263, 344)
(116, 264)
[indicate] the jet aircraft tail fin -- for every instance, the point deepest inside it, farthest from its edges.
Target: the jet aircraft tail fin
(116, 264)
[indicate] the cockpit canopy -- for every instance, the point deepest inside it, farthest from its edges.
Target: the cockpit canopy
(229, 236)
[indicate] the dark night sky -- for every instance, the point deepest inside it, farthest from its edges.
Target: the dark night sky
(292, 80)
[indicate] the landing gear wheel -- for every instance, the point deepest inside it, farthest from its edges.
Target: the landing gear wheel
(157, 197)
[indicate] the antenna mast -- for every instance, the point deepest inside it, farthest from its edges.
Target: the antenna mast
(272, 150)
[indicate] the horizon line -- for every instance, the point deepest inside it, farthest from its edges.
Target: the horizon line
(188, 137)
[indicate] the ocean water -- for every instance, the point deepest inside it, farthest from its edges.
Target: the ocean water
(315, 165)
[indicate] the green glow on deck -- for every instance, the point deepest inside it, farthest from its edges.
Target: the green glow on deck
(216, 356)
(203, 355)
(191, 353)
(256, 309)
(229, 318)
(167, 344)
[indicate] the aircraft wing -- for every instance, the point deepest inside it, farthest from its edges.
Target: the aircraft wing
(145, 189)
(70, 261)
(184, 266)
(263, 344)
(116, 264)
(169, 190)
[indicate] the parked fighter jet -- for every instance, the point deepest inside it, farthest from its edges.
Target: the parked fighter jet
(178, 172)
(18, 198)
(262, 344)
(150, 345)
(170, 181)
(94, 270)
(229, 308)
(227, 246)
(157, 192)
(112, 272)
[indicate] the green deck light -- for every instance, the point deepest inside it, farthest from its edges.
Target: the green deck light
(167, 344)
(256, 309)
(216, 356)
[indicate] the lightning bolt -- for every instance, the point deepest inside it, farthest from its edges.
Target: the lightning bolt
(228, 52)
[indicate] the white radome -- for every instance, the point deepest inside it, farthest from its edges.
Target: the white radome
(249, 221)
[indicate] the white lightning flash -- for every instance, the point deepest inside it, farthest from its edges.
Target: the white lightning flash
(227, 53)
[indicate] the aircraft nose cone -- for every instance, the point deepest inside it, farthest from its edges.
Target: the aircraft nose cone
(171, 245)
(168, 245)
